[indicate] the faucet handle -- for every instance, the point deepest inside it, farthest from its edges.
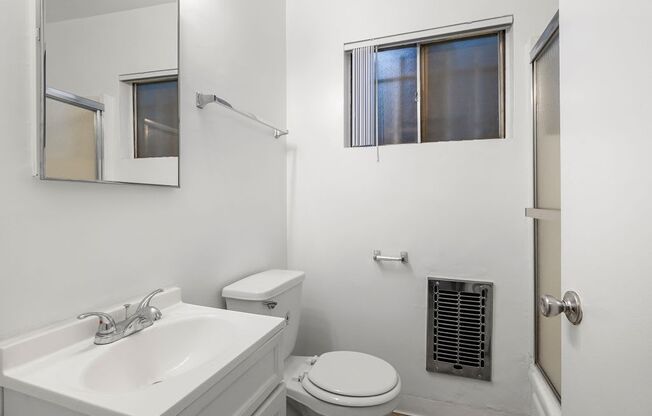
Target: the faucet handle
(154, 313)
(107, 324)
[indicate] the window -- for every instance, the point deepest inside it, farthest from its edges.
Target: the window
(156, 120)
(396, 73)
(447, 89)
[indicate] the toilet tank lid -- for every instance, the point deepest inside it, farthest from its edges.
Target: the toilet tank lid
(264, 285)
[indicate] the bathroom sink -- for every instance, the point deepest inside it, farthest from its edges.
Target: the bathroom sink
(160, 370)
(165, 350)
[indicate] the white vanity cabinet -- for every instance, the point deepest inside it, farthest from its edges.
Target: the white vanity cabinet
(247, 390)
(254, 388)
(196, 361)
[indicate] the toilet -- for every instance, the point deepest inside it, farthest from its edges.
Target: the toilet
(337, 383)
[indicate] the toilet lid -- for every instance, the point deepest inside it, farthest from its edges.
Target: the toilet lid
(353, 374)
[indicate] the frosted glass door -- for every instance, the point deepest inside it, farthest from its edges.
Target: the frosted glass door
(547, 202)
(70, 142)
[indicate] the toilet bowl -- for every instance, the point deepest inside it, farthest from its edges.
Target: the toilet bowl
(337, 383)
(306, 398)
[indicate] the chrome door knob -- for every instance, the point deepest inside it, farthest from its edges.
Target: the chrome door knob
(570, 305)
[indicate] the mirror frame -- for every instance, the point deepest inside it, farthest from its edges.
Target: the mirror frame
(41, 87)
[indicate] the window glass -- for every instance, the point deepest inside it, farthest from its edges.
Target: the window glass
(396, 74)
(461, 88)
(156, 119)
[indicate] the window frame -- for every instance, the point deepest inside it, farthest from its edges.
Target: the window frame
(419, 43)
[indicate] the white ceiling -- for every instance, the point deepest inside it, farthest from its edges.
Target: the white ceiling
(58, 10)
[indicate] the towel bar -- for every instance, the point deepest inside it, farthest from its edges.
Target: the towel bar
(378, 257)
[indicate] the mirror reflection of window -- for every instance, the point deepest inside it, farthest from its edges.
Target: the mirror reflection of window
(156, 119)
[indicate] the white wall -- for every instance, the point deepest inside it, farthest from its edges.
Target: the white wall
(87, 56)
(457, 208)
(74, 9)
(67, 248)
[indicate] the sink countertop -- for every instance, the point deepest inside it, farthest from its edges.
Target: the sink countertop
(158, 371)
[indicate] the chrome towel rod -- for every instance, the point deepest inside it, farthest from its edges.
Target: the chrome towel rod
(204, 99)
(402, 259)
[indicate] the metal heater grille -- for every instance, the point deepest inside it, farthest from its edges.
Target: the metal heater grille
(459, 328)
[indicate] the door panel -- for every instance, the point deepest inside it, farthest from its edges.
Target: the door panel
(606, 189)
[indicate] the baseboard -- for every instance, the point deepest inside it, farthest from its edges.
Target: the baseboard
(419, 406)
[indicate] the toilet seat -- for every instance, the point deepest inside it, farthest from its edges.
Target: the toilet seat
(351, 379)
(349, 401)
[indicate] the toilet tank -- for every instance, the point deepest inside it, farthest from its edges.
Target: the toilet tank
(272, 293)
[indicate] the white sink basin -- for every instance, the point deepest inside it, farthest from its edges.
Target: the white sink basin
(158, 371)
(165, 350)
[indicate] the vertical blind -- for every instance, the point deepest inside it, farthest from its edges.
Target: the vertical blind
(363, 94)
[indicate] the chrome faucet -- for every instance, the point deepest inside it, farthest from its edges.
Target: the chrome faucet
(109, 331)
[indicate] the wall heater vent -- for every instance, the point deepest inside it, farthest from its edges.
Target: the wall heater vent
(459, 328)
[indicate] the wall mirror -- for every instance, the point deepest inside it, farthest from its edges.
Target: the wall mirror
(109, 91)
